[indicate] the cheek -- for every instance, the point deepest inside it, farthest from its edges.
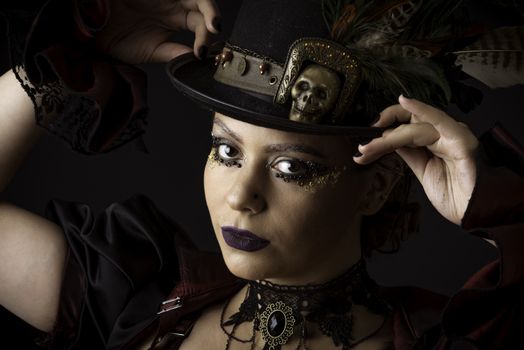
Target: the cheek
(213, 186)
(320, 217)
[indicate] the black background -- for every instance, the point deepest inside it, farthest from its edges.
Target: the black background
(440, 257)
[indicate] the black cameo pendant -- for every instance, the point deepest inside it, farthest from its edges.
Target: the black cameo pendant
(276, 324)
(281, 312)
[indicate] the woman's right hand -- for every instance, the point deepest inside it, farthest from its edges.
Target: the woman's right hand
(139, 31)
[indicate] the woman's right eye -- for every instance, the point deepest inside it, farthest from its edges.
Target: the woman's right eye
(225, 153)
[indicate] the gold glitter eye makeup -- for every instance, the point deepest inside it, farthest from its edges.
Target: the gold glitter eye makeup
(307, 174)
(296, 170)
(224, 153)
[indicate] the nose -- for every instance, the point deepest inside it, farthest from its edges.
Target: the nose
(246, 192)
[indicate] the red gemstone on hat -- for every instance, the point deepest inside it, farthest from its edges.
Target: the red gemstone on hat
(227, 56)
(264, 67)
(218, 58)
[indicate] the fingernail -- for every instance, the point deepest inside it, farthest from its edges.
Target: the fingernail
(202, 52)
(358, 154)
(365, 142)
(217, 24)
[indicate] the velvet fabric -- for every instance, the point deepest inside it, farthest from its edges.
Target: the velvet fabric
(90, 100)
(125, 262)
(121, 264)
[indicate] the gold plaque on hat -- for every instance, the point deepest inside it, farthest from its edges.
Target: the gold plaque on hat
(312, 59)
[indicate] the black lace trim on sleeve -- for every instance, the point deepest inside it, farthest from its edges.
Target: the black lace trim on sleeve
(92, 120)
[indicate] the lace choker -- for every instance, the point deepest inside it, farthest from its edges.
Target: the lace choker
(281, 312)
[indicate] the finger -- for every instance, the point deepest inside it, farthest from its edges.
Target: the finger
(166, 51)
(177, 20)
(406, 135)
(195, 23)
(391, 115)
(209, 10)
(425, 113)
(416, 159)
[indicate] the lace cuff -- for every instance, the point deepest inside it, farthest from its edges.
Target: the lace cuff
(90, 100)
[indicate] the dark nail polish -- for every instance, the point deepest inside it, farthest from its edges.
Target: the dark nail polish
(217, 24)
(365, 142)
(358, 154)
(202, 52)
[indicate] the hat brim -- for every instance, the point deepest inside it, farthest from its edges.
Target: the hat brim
(194, 78)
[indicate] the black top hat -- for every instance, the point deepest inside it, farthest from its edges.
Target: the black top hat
(303, 65)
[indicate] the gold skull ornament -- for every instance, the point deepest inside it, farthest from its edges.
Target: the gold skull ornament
(314, 94)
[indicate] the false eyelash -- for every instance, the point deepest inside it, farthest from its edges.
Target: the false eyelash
(215, 143)
(312, 170)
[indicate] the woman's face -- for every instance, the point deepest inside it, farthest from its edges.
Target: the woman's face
(285, 206)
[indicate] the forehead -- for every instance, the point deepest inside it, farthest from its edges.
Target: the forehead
(250, 134)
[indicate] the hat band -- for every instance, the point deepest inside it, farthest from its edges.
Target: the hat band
(318, 80)
(248, 72)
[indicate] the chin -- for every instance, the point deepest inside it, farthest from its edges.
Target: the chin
(249, 265)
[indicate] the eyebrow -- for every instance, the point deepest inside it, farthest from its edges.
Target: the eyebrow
(273, 148)
(291, 147)
(227, 130)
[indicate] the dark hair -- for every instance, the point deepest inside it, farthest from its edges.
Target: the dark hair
(395, 221)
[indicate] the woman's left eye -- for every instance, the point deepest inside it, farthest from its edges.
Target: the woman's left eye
(299, 171)
(288, 166)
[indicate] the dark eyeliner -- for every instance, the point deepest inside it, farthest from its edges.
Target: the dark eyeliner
(216, 142)
(312, 170)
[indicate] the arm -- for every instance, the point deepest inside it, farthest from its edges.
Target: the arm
(33, 249)
(496, 208)
(439, 150)
(477, 186)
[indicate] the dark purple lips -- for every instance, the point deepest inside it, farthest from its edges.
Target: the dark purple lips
(243, 239)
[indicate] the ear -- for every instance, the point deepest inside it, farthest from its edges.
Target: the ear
(386, 172)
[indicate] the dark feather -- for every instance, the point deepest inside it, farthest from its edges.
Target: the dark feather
(497, 58)
(385, 78)
(400, 45)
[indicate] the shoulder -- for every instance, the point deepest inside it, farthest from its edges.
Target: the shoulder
(121, 264)
(126, 234)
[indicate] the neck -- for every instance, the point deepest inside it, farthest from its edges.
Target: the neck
(346, 254)
(291, 313)
(325, 271)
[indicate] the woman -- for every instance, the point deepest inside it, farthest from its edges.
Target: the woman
(277, 191)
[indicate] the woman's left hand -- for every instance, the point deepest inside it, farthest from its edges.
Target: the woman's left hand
(439, 150)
